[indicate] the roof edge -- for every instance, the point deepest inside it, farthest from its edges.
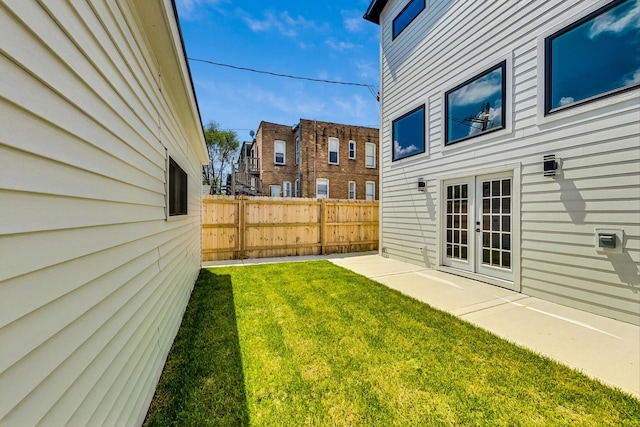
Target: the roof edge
(374, 10)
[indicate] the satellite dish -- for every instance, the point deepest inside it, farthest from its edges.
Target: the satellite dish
(251, 133)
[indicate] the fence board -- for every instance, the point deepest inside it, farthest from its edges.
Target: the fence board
(259, 227)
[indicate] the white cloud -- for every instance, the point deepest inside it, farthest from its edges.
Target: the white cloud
(400, 152)
(608, 23)
(283, 22)
(366, 70)
(189, 9)
(352, 20)
(566, 100)
(634, 79)
(340, 45)
(478, 90)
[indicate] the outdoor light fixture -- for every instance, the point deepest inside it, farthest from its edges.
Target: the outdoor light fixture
(421, 184)
(550, 165)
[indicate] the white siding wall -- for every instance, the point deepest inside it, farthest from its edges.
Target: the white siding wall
(598, 144)
(93, 279)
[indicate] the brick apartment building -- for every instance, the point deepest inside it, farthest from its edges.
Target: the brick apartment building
(310, 159)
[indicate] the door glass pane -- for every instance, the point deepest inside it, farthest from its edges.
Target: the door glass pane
(457, 221)
(496, 223)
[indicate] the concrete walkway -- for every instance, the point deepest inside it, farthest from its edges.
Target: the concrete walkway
(600, 347)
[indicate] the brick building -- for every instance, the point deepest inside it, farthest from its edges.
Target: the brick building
(311, 159)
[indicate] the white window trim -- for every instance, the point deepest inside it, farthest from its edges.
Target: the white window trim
(373, 183)
(352, 143)
(298, 149)
(285, 185)
(317, 182)
(284, 152)
(337, 150)
(508, 96)
(354, 191)
(375, 149)
(564, 21)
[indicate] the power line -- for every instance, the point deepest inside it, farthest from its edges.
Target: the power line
(370, 87)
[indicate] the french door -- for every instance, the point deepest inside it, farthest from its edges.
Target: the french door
(477, 228)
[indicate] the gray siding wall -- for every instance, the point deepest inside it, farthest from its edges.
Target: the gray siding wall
(93, 279)
(598, 144)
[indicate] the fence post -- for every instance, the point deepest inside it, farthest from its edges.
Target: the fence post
(323, 226)
(242, 226)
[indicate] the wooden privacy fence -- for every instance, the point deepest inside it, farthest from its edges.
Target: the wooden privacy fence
(259, 227)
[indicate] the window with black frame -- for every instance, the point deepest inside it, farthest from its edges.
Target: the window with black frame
(408, 134)
(407, 15)
(594, 57)
(177, 189)
(476, 106)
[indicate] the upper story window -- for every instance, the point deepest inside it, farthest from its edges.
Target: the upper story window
(407, 15)
(408, 134)
(279, 152)
(370, 155)
(297, 149)
(352, 150)
(352, 190)
(594, 57)
(475, 107)
(334, 146)
(177, 189)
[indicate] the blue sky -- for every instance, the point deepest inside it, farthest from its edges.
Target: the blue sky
(323, 40)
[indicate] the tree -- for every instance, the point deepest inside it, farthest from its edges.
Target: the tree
(222, 146)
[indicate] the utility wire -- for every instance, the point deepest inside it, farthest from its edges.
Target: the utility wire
(370, 87)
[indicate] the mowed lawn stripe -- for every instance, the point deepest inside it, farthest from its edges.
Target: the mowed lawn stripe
(321, 345)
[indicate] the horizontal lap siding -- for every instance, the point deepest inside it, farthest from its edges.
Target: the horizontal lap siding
(599, 183)
(93, 280)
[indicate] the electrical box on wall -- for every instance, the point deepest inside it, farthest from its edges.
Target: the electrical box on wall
(609, 240)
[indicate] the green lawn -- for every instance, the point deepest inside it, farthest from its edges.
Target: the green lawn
(313, 344)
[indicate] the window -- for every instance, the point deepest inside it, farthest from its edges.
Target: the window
(297, 188)
(177, 189)
(370, 155)
(595, 57)
(287, 188)
(408, 134)
(352, 150)
(279, 152)
(333, 151)
(476, 106)
(371, 190)
(352, 190)
(297, 149)
(407, 15)
(274, 190)
(322, 188)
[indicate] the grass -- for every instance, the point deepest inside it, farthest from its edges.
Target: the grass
(314, 344)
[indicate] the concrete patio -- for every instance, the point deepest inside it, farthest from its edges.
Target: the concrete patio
(600, 347)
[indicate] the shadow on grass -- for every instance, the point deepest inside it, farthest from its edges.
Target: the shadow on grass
(202, 381)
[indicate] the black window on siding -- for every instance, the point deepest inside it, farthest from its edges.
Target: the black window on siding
(476, 106)
(597, 56)
(177, 189)
(407, 15)
(408, 134)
